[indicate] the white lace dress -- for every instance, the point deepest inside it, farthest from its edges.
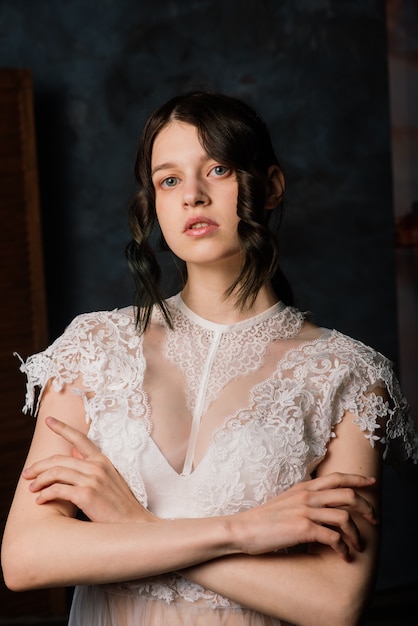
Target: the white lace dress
(208, 419)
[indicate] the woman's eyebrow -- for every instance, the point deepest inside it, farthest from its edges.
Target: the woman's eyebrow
(163, 166)
(171, 164)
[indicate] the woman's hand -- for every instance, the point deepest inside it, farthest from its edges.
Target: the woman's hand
(87, 479)
(321, 511)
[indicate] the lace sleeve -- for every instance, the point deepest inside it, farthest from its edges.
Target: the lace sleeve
(373, 395)
(78, 351)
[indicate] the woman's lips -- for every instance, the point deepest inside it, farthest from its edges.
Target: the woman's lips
(198, 226)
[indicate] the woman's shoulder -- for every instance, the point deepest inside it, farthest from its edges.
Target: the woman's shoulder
(87, 347)
(360, 356)
(120, 317)
(97, 332)
(339, 346)
(350, 375)
(344, 363)
(97, 324)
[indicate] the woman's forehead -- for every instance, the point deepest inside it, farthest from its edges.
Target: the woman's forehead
(177, 139)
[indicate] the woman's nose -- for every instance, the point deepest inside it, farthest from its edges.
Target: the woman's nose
(195, 193)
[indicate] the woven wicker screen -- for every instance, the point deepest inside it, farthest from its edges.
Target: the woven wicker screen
(23, 323)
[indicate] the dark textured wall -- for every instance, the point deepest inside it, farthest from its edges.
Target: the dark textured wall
(315, 69)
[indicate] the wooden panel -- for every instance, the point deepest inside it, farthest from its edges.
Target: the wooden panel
(23, 321)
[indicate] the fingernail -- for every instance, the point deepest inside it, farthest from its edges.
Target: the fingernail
(50, 420)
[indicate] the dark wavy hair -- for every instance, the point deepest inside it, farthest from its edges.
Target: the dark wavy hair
(232, 133)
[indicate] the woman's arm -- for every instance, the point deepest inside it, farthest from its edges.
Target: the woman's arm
(45, 546)
(318, 587)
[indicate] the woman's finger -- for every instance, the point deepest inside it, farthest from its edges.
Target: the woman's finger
(344, 497)
(337, 480)
(59, 491)
(61, 475)
(332, 538)
(341, 521)
(78, 439)
(54, 462)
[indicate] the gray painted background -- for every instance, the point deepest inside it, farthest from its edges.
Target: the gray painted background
(315, 69)
(317, 72)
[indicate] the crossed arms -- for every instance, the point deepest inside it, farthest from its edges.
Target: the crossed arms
(334, 515)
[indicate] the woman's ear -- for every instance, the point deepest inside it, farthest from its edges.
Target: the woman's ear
(275, 187)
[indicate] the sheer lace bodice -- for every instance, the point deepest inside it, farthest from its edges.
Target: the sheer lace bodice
(207, 419)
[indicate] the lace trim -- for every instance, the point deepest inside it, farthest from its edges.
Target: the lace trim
(169, 588)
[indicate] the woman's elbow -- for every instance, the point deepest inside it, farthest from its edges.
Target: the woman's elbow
(341, 601)
(343, 615)
(347, 608)
(335, 612)
(15, 581)
(19, 573)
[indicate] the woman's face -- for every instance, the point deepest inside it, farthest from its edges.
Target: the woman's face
(195, 198)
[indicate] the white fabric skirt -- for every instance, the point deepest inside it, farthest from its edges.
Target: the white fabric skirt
(95, 606)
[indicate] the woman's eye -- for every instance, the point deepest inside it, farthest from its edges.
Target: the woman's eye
(220, 170)
(171, 181)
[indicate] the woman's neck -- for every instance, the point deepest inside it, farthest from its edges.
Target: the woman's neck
(208, 301)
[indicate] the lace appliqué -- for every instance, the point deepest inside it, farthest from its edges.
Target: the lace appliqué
(170, 587)
(102, 352)
(239, 352)
(86, 348)
(350, 376)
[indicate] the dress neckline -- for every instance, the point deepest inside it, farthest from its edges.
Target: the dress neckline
(178, 302)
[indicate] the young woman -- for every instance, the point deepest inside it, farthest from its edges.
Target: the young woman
(225, 451)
